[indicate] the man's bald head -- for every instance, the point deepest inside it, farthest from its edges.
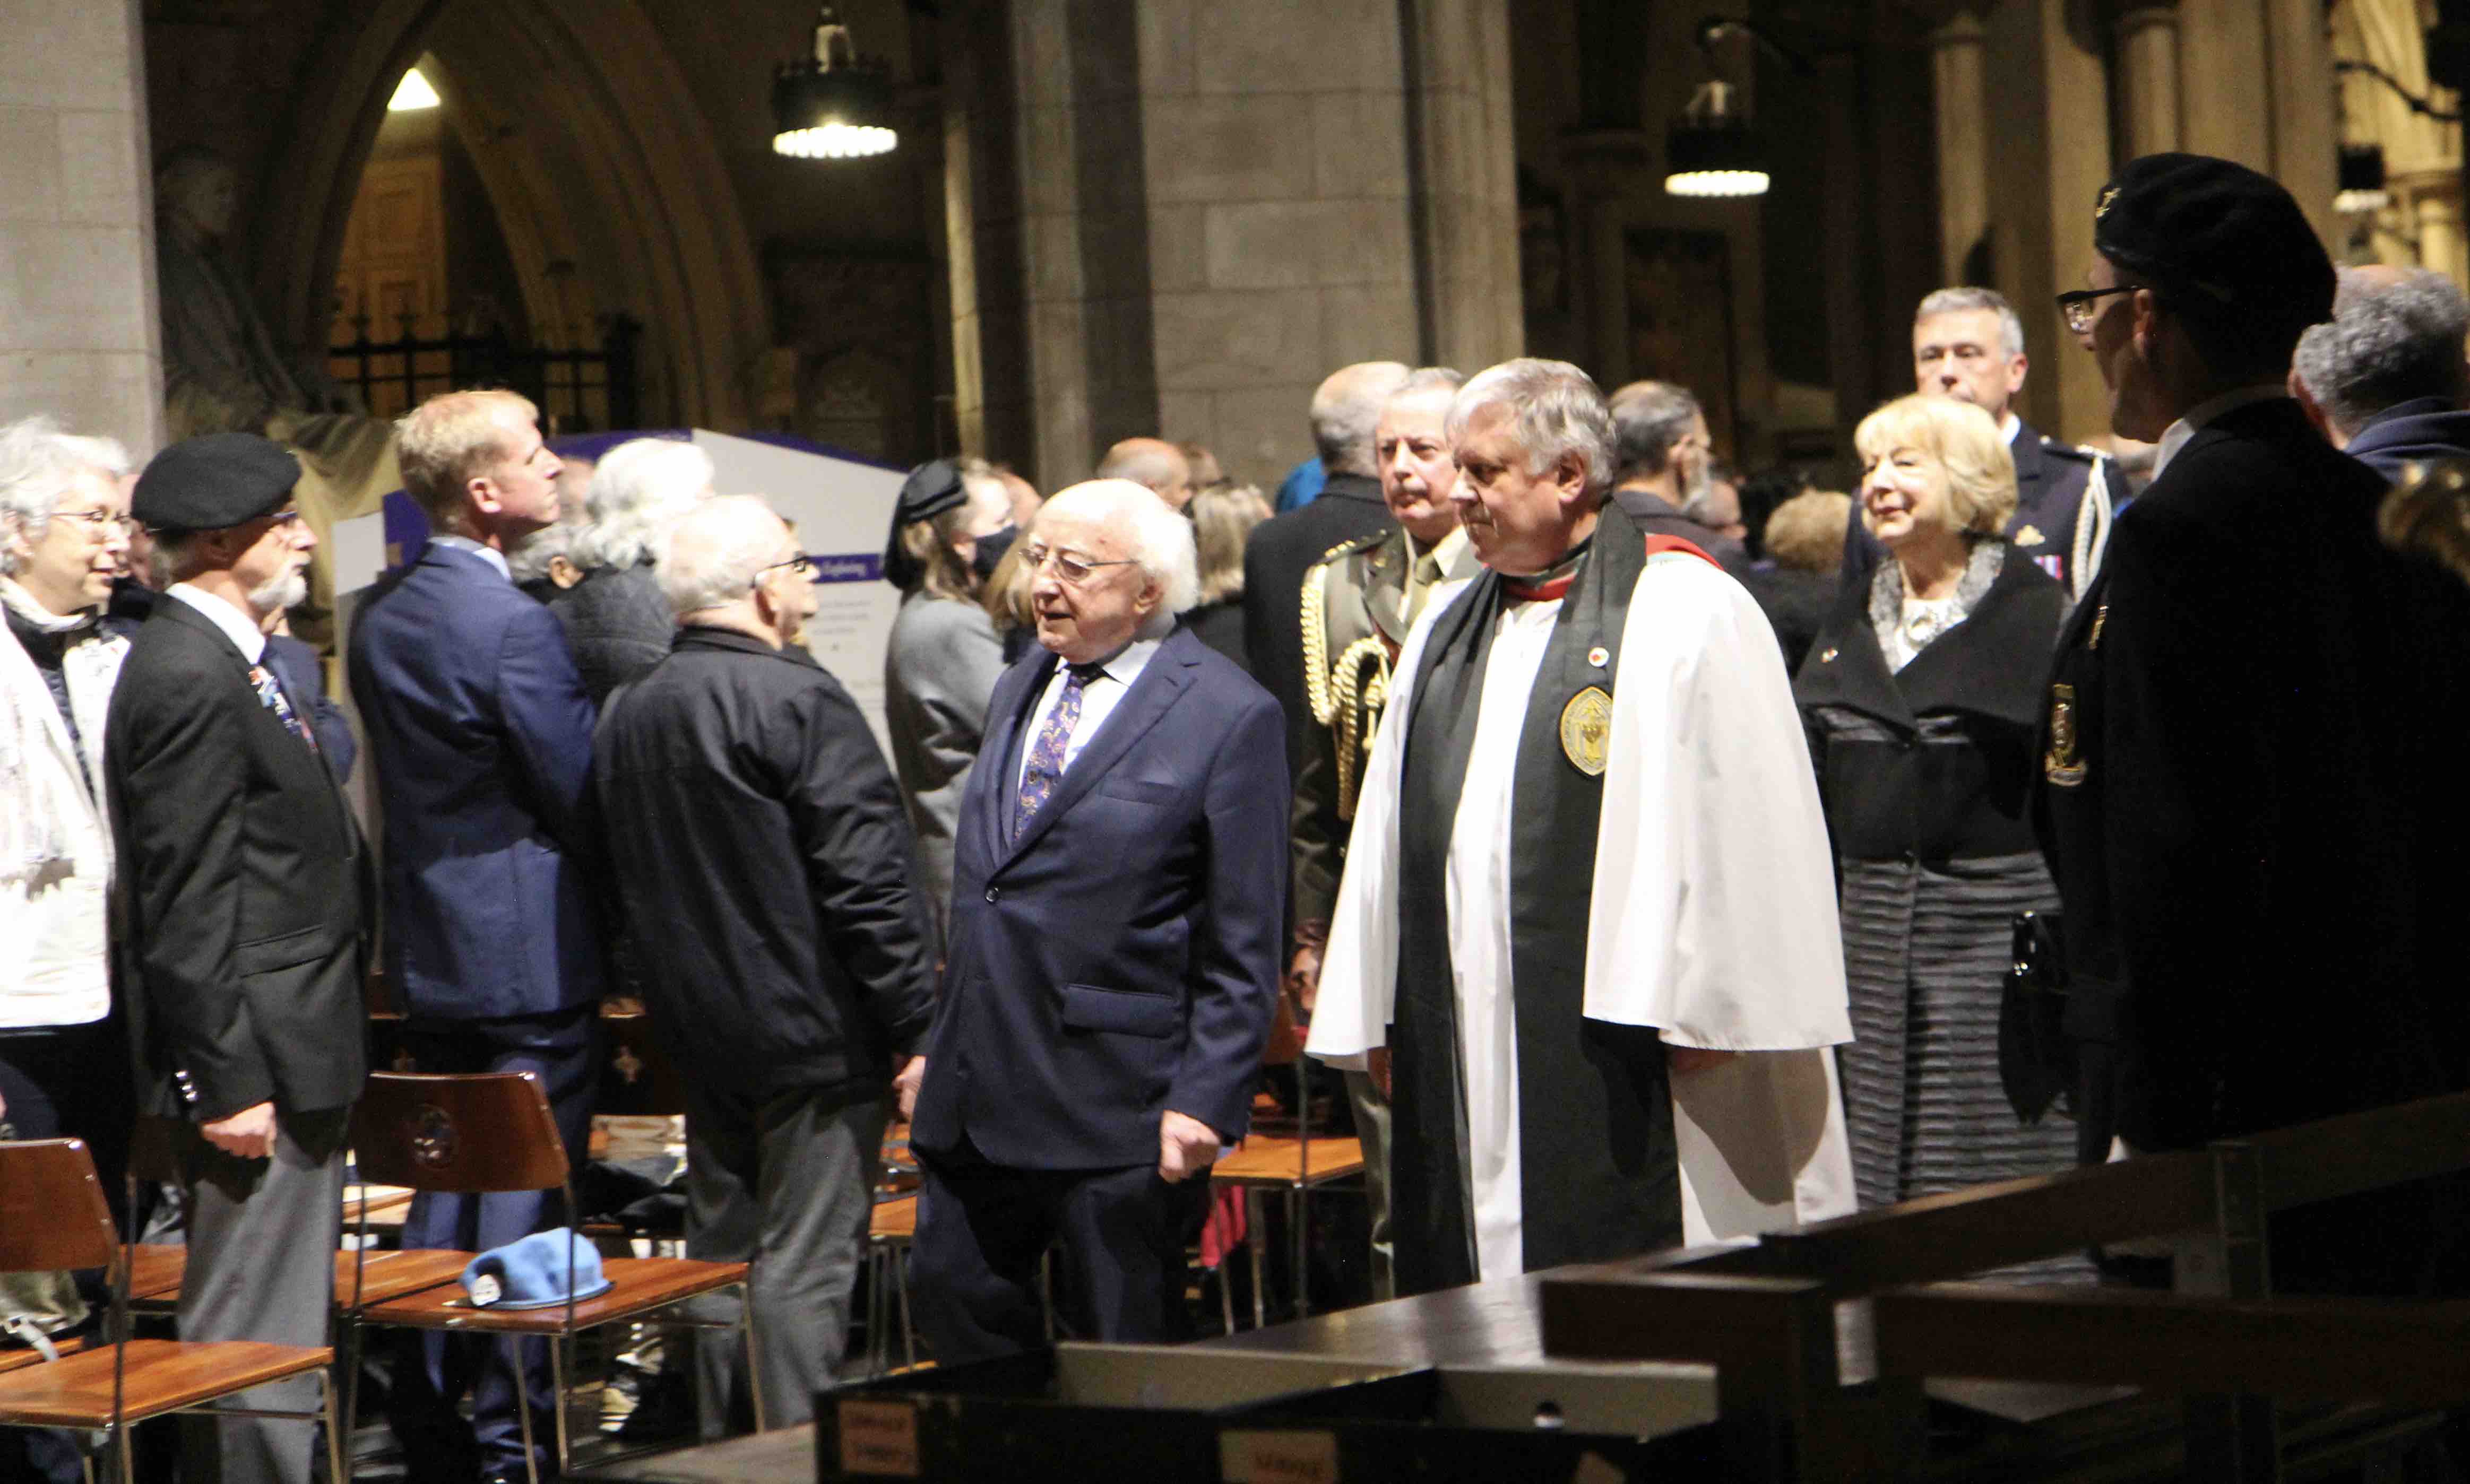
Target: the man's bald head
(1153, 463)
(1346, 412)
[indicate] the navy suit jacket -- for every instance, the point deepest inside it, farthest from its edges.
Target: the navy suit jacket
(1119, 956)
(480, 733)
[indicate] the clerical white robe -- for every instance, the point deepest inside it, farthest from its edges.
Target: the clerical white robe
(1712, 914)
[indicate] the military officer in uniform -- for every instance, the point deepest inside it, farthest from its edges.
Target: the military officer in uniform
(2246, 707)
(1358, 604)
(1969, 344)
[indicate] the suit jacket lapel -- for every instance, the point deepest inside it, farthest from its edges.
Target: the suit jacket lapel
(1001, 751)
(1161, 683)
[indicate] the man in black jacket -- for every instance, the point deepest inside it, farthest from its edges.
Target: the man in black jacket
(248, 893)
(760, 847)
(2240, 782)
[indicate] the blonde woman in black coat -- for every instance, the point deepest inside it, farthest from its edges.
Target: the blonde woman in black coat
(1921, 694)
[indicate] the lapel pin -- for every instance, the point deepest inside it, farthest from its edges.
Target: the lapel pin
(1828, 657)
(1600, 657)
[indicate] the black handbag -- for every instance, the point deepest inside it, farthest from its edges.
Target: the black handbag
(2036, 1060)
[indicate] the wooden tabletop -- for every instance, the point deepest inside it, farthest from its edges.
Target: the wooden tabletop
(1482, 1324)
(1263, 1160)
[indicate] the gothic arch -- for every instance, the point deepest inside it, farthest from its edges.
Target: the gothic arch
(593, 151)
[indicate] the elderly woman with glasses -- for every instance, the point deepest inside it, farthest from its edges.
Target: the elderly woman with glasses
(1921, 694)
(950, 526)
(63, 536)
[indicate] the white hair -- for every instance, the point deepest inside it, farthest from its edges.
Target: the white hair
(37, 461)
(2386, 343)
(1956, 301)
(1346, 412)
(1557, 409)
(527, 560)
(1160, 538)
(711, 554)
(637, 488)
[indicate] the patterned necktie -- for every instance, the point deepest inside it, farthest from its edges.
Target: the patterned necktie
(1045, 767)
(269, 695)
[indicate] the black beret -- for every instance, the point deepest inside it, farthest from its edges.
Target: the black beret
(213, 483)
(931, 489)
(2233, 240)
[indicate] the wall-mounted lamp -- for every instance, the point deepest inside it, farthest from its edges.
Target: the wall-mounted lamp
(2363, 180)
(1712, 151)
(836, 107)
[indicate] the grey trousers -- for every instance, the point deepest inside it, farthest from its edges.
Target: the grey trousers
(788, 1185)
(262, 1239)
(1372, 1126)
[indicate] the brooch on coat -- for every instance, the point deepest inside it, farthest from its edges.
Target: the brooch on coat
(2059, 764)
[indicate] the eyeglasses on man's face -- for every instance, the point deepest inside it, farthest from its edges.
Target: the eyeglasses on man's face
(2078, 305)
(799, 566)
(1072, 568)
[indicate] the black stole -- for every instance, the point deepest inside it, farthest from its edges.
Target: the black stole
(1598, 1164)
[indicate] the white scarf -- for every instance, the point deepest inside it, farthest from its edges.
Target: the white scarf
(33, 838)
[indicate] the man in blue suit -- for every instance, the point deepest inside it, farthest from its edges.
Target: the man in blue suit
(1118, 887)
(481, 733)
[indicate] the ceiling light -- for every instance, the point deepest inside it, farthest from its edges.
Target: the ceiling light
(412, 92)
(2361, 181)
(1711, 149)
(833, 107)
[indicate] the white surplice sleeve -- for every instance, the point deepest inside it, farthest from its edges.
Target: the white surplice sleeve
(1358, 968)
(1715, 912)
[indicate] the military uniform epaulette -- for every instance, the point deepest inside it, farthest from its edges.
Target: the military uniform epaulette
(2074, 451)
(1362, 543)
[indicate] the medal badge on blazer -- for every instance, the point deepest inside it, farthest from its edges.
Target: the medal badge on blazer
(2061, 764)
(1587, 729)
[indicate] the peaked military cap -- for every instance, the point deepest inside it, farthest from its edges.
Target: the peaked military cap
(2232, 237)
(212, 483)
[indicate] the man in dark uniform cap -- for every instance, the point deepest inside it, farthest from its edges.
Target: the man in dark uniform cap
(247, 896)
(2246, 707)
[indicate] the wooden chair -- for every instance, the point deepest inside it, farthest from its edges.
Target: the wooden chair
(52, 1215)
(492, 1131)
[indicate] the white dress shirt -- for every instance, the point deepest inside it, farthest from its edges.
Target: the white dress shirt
(246, 636)
(2174, 436)
(1100, 694)
(489, 554)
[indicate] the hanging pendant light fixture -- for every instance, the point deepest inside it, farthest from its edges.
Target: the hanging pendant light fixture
(1712, 151)
(836, 107)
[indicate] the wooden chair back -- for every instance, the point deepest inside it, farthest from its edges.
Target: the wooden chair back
(52, 1210)
(468, 1134)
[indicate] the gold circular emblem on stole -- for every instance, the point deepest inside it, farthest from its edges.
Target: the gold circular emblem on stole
(1587, 730)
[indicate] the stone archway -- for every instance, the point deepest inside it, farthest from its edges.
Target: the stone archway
(594, 153)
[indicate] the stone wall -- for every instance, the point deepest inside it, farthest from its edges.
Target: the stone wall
(78, 332)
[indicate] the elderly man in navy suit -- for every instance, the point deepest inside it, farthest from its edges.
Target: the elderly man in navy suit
(481, 733)
(1117, 892)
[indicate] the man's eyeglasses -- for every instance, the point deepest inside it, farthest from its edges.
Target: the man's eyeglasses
(799, 566)
(2077, 305)
(1073, 569)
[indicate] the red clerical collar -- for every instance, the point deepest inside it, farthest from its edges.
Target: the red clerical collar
(1514, 589)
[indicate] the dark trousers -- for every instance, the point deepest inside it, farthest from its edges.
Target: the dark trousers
(434, 1370)
(262, 1239)
(982, 1229)
(789, 1186)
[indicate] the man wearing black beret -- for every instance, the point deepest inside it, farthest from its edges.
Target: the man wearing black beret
(244, 943)
(2245, 713)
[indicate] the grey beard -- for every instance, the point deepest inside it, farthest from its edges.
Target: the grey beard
(289, 590)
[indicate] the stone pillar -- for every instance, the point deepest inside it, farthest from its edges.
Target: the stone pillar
(1604, 164)
(78, 334)
(1961, 99)
(2147, 79)
(1162, 224)
(2439, 234)
(2306, 150)
(2224, 81)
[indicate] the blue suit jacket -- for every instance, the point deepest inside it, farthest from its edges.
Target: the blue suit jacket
(480, 733)
(1120, 957)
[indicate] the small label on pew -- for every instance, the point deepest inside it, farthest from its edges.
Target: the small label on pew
(1278, 1457)
(879, 1437)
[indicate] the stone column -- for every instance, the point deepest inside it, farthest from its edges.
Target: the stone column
(2224, 79)
(1162, 224)
(1602, 166)
(2147, 79)
(78, 334)
(1962, 98)
(2306, 150)
(2439, 233)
